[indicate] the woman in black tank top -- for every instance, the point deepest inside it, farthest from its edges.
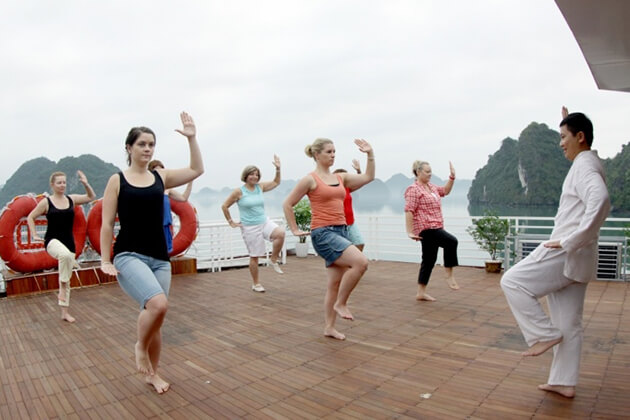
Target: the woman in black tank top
(141, 262)
(59, 238)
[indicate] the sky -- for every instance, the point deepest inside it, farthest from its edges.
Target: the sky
(438, 80)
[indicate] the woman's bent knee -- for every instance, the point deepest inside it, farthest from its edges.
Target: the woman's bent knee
(158, 304)
(277, 234)
(362, 264)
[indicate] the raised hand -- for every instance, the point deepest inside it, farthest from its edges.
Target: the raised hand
(276, 161)
(364, 146)
(565, 112)
(188, 129)
(82, 177)
(452, 168)
(356, 166)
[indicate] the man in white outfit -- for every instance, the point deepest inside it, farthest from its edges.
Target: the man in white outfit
(562, 267)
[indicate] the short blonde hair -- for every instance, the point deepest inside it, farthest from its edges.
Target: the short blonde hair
(249, 169)
(316, 147)
(54, 176)
(418, 164)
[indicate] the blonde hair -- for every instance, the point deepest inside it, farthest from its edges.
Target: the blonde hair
(54, 176)
(249, 169)
(316, 147)
(155, 163)
(417, 165)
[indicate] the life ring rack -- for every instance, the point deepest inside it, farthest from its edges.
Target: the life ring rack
(16, 248)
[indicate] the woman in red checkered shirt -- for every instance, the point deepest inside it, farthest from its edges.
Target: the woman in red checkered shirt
(424, 222)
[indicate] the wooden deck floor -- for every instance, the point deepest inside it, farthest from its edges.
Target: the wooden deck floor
(232, 353)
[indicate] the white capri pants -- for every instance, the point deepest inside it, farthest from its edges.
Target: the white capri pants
(532, 279)
(66, 261)
(255, 237)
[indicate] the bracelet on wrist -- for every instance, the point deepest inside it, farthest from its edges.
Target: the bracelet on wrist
(451, 177)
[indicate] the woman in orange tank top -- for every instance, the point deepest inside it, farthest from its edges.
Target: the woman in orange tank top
(345, 264)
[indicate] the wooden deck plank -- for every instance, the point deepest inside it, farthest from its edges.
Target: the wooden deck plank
(232, 353)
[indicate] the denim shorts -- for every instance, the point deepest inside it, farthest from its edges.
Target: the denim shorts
(330, 242)
(354, 234)
(142, 277)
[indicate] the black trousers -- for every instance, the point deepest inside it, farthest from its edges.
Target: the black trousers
(432, 239)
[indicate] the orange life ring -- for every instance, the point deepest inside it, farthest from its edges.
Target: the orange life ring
(187, 233)
(94, 222)
(188, 226)
(26, 256)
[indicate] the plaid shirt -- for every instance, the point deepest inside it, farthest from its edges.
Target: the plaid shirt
(425, 206)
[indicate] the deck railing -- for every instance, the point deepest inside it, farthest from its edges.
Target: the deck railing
(218, 245)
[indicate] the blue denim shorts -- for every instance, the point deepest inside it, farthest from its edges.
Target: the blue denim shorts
(142, 277)
(354, 234)
(330, 242)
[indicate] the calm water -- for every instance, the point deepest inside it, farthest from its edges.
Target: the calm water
(450, 208)
(388, 240)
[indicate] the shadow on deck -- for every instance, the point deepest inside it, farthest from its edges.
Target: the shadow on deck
(233, 353)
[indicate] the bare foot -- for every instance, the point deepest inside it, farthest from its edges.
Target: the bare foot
(160, 385)
(426, 297)
(143, 364)
(565, 391)
(541, 347)
(452, 283)
(343, 311)
(67, 317)
(333, 333)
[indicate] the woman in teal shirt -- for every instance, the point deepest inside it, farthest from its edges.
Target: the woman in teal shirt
(255, 225)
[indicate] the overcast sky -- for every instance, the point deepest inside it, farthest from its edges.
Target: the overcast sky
(432, 80)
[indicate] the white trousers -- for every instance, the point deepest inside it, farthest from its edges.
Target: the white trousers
(532, 279)
(66, 261)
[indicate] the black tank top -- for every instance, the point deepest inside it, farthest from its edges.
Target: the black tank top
(140, 212)
(60, 224)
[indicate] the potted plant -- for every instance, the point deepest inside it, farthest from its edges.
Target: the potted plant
(489, 233)
(302, 211)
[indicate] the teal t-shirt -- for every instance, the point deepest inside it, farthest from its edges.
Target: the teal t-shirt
(251, 206)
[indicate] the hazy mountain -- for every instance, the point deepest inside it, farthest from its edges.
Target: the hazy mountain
(617, 177)
(528, 171)
(33, 176)
(374, 195)
(531, 170)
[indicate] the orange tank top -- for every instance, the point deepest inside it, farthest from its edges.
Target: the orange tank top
(327, 203)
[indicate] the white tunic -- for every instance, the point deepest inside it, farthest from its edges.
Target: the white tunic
(584, 206)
